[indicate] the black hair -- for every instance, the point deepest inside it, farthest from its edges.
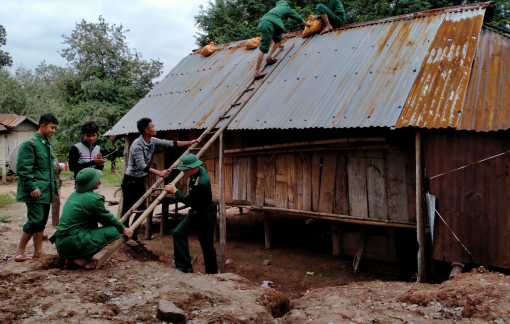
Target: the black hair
(142, 124)
(89, 127)
(47, 118)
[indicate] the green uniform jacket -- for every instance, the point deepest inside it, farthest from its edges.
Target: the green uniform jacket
(337, 7)
(35, 170)
(281, 12)
(199, 197)
(78, 233)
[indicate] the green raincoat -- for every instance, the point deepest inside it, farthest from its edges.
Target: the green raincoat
(35, 170)
(78, 234)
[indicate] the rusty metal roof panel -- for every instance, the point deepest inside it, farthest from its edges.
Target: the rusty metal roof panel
(193, 93)
(12, 120)
(487, 104)
(356, 77)
(439, 92)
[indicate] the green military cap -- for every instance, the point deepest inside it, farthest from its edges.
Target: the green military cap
(189, 161)
(86, 179)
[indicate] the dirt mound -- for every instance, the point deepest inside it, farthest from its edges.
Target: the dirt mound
(467, 295)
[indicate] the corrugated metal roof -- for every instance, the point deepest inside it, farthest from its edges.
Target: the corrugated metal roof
(12, 120)
(438, 94)
(358, 76)
(487, 105)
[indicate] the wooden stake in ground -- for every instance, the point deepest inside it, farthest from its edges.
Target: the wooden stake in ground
(223, 207)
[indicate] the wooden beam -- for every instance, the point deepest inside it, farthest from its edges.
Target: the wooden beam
(420, 231)
(222, 206)
(333, 217)
(4, 158)
(306, 143)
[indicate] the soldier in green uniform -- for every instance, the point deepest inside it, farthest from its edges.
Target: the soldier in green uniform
(271, 28)
(201, 217)
(333, 15)
(37, 185)
(78, 237)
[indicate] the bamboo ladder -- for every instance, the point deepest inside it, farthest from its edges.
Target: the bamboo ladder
(215, 129)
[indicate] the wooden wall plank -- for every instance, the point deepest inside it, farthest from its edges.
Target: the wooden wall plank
(251, 179)
(410, 171)
(261, 174)
(357, 182)
(316, 175)
(281, 181)
(307, 181)
(396, 186)
(376, 188)
(341, 186)
(228, 178)
(235, 177)
(270, 181)
(291, 180)
(327, 187)
(299, 181)
(243, 173)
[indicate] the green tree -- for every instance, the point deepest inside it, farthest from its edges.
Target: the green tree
(109, 79)
(5, 58)
(224, 21)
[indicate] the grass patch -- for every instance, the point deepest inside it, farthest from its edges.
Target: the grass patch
(7, 198)
(6, 218)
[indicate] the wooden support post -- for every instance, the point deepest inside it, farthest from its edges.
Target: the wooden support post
(125, 157)
(217, 226)
(420, 224)
(4, 158)
(55, 206)
(267, 231)
(336, 238)
(222, 206)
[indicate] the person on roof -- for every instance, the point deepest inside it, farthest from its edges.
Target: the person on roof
(333, 15)
(271, 28)
(78, 237)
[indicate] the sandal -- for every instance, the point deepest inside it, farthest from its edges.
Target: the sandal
(20, 257)
(91, 265)
(140, 242)
(259, 75)
(325, 30)
(271, 60)
(35, 256)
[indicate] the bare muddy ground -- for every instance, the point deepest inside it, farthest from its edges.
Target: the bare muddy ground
(128, 288)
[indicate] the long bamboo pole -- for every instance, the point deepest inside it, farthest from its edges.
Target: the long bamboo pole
(222, 206)
(333, 217)
(420, 231)
(307, 143)
(157, 201)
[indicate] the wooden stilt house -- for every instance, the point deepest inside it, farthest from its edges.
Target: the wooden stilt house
(336, 130)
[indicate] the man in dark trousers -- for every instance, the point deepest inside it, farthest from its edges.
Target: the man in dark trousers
(86, 153)
(271, 28)
(201, 217)
(333, 15)
(140, 155)
(37, 184)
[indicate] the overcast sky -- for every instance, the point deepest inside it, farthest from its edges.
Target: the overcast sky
(159, 29)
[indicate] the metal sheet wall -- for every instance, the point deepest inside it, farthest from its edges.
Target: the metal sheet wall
(473, 201)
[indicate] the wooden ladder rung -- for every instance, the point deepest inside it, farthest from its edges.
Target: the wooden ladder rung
(138, 211)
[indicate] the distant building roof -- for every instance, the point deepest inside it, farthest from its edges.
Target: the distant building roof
(12, 120)
(410, 70)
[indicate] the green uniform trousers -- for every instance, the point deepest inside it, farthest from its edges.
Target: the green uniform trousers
(333, 19)
(204, 226)
(37, 217)
(269, 31)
